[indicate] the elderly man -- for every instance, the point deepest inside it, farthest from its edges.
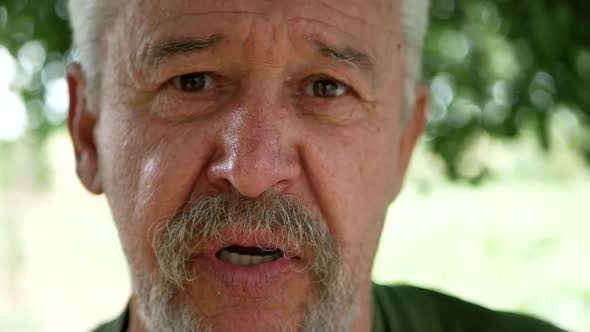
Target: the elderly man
(248, 151)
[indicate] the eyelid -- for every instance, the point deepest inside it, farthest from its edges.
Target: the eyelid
(327, 77)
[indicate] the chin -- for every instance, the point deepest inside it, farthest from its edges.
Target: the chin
(250, 320)
(280, 304)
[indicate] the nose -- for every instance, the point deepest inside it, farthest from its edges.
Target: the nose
(256, 154)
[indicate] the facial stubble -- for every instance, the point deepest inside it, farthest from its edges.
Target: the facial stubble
(163, 302)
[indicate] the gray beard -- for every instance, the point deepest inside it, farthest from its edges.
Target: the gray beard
(163, 308)
(163, 304)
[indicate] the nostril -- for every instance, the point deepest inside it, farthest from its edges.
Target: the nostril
(224, 185)
(220, 178)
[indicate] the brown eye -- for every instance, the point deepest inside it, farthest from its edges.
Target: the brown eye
(326, 88)
(194, 82)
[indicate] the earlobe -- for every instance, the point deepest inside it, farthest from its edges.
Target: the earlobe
(81, 125)
(413, 128)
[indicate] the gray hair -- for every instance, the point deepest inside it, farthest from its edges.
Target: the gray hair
(414, 25)
(90, 17)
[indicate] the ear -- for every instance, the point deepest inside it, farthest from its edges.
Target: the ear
(81, 125)
(413, 128)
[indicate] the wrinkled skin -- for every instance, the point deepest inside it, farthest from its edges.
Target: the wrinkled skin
(150, 147)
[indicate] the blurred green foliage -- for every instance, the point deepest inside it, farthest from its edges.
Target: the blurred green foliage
(23, 21)
(495, 68)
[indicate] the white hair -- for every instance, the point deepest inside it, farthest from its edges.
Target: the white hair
(89, 19)
(414, 25)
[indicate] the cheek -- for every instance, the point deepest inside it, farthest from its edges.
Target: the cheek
(352, 172)
(149, 176)
(119, 152)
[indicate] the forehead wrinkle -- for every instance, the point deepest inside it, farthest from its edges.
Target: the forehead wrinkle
(315, 34)
(338, 10)
(145, 49)
(172, 18)
(361, 57)
(219, 12)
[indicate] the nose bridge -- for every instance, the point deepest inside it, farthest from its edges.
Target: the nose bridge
(256, 155)
(257, 116)
(253, 139)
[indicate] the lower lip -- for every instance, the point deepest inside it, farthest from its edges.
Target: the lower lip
(247, 280)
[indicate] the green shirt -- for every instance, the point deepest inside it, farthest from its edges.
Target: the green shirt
(413, 309)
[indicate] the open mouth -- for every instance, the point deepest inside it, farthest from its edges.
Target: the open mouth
(247, 267)
(248, 256)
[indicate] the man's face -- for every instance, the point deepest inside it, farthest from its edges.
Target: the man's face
(260, 101)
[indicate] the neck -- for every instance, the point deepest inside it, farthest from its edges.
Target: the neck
(135, 322)
(364, 322)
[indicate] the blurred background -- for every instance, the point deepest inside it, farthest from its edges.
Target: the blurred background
(495, 208)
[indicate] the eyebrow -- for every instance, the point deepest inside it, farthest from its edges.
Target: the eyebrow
(184, 45)
(347, 55)
(170, 48)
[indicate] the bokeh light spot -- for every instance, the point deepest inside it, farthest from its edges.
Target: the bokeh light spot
(52, 71)
(541, 99)
(503, 93)
(3, 17)
(7, 68)
(566, 118)
(32, 56)
(13, 116)
(462, 112)
(502, 59)
(544, 81)
(495, 114)
(454, 45)
(490, 17)
(442, 93)
(57, 100)
(61, 9)
(437, 111)
(542, 90)
(442, 88)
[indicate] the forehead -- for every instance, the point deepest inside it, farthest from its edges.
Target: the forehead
(369, 22)
(362, 11)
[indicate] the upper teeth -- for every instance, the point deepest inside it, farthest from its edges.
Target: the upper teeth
(241, 259)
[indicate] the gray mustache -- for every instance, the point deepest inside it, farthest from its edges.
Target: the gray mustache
(207, 219)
